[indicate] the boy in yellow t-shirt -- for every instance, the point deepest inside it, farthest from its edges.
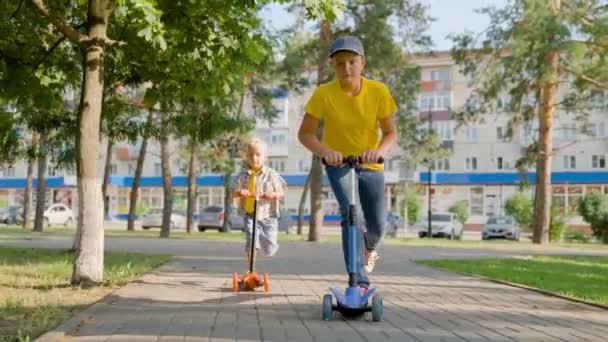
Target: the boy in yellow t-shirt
(352, 109)
(257, 178)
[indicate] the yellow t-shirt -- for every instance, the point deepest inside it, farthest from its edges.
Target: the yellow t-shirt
(350, 123)
(249, 201)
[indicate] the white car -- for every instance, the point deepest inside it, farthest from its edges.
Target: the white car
(154, 218)
(58, 214)
(443, 224)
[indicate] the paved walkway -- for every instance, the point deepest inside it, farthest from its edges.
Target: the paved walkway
(191, 299)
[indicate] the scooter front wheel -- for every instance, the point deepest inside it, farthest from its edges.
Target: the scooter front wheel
(377, 308)
(327, 307)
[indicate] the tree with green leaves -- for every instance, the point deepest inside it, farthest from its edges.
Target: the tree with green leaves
(37, 66)
(85, 25)
(531, 50)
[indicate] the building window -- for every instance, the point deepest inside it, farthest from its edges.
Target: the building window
(303, 165)
(501, 133)
(442, 74)
(598, 161)
(113, 169)
(568, 132)
(569, 162)
(503, 102)
(434, 101)
(7, 171)
(131, 168)
(279, 139)
(441, 164)
(599, 130)
(277, 164)
(499, 163)
(470, 163)
(157, 169)
(443, 129)
(471, 134)
(476, 200)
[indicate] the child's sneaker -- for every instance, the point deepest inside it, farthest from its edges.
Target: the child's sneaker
(370, 260)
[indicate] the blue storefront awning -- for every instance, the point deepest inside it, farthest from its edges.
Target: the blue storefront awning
(512, 178)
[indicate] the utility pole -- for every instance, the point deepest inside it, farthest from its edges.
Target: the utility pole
(430, 120)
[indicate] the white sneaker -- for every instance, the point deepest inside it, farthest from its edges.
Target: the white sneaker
(370, 260)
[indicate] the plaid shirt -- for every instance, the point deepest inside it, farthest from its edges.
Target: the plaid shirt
(267, 180)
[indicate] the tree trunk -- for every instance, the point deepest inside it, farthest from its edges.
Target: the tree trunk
(301, 206)
(316, 170)
(192, 190)
(227, 201)
(41, 183)
(106, 175)
(88, 265)
(27, 196)
(166, 170)
(137, 177)
(542, 202)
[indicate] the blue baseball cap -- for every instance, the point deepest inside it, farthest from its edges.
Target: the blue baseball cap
(347, 43)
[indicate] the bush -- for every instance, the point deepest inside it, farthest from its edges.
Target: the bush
(576, 237)
(557, 224)
(594, 210)
(520, 207)
(461, 209)
(413, 207)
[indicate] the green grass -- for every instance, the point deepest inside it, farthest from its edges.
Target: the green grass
(579, 277)
(35, 291)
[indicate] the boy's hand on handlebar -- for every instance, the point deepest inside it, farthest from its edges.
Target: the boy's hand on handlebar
(370, 157)
(245, 193)
(270, 196)
(332, 157)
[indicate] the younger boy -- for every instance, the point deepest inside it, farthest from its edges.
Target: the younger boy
(257, 179)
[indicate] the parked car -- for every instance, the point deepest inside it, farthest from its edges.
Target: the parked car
(154, 218)
(11, 215)
(443, 224)
(212, 217)
(57, 213)
(503, 227)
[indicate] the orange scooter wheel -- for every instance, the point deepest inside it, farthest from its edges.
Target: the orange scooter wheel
(266, 282)
(235, 282)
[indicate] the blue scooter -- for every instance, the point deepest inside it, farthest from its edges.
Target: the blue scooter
(352, 303)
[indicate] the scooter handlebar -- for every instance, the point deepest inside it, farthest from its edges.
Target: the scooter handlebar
(353, 160)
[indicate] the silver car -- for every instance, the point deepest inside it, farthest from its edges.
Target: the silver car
(443, 224)
(212, 217)
(503, 227)
(154, 218)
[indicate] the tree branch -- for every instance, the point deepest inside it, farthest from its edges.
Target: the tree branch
(585, 77)
(59, 23)
(17, 10)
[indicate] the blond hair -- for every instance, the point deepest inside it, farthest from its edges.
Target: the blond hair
(257, 142)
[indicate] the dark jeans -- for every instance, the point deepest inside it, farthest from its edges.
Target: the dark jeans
(370, 185)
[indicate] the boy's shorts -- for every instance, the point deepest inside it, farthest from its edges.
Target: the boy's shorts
(267, 231)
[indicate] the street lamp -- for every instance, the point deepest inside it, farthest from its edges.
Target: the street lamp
(429, 233)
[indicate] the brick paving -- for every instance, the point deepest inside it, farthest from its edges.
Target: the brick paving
(190, 299)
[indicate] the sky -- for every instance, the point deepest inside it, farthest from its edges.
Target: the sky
(451, 16)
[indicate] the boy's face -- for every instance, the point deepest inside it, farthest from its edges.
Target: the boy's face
(348, 65)
(256, 156)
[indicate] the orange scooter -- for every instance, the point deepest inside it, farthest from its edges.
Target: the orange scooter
(251, 280)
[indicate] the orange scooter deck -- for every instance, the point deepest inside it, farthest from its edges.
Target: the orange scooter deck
(249, 282)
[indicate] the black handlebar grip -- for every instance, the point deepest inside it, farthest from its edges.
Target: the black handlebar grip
(354, 160)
